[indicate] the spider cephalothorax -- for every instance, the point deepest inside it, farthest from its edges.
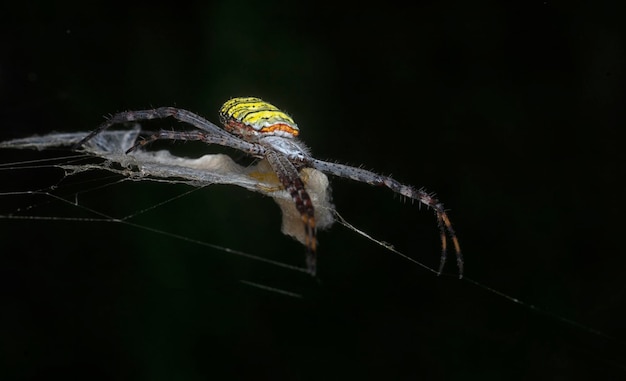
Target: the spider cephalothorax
(261, 130)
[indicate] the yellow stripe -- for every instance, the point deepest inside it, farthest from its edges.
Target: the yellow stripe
(255, 113)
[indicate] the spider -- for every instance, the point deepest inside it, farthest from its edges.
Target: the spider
(262, 131)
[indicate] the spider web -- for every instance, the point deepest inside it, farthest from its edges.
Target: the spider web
(70, 197)
(105, 154)
(162, 166)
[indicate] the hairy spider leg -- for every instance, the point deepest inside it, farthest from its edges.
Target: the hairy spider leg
(289, 177)
(365, 176)
(213, 134)
(227, 141)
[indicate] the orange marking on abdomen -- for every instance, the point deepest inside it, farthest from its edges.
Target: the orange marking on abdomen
(280, 127)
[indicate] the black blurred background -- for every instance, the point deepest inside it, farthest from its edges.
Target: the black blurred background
(508, 110)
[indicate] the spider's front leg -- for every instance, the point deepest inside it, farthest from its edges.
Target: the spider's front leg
(291, 181)
(368, 177)
(206, 131)
(252, 149)
(132, 116)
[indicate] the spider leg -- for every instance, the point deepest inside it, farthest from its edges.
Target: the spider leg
(368, 177)
(210, 132)
(291, 181)
(228, 141)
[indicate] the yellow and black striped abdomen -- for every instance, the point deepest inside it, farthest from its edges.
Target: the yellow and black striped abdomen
(252, 116)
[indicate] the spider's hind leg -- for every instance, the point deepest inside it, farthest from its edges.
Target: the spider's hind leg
(446, 226)
(362, 175)
(443, 222)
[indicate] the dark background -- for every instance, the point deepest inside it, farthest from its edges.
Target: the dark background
(508, 110)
